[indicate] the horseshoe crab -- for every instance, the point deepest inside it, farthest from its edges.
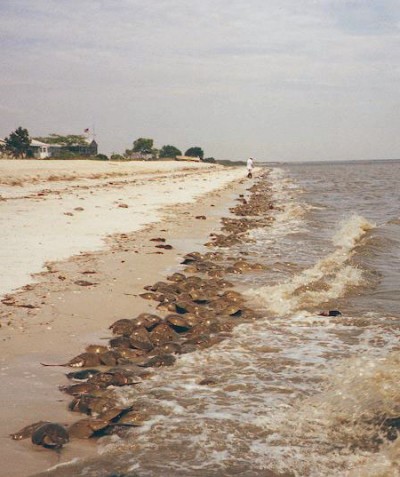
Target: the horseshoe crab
(176, 277)
(82, 375)
(217, 273)
(120, 342)
(83, 360)
(162, 287)
(198, 340)
(232, 310)
(146, 320)
(216, 256)
(183, 307)
(129, 354)
(85, 428)
(50, 435)
(140, 339)
(243, 265)
(122, 327)
(149, 296)
(109, 358)
(171, 347)
(81, 388)
(159, 360)
(232, 295)
(234, 270)
(180, 323)
(27, 431)
(200, 297)
(191, 257)
(161, 334)
(115, 378)
(92, 404)
(96, 349)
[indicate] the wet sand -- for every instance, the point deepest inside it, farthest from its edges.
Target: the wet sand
(72, 302)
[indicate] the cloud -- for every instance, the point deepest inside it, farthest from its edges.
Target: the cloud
(227, 75)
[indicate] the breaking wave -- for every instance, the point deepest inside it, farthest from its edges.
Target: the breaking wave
(328, 279)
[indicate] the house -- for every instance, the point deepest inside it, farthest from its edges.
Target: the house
(88, 149)
(2, 150)
(140, 156)
(41, 150)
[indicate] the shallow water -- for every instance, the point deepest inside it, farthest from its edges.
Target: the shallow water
(294, 393)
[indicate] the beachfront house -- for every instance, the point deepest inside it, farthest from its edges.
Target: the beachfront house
(88, 149)
(139, 156)
(41, 150)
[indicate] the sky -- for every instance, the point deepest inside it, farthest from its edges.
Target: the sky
(278, 80)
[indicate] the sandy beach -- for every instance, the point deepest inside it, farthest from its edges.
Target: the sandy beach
(76, 251)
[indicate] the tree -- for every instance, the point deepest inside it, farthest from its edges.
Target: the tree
(170, 151)
(18, 142)
(117, 157)
(143, 145)
(195, 152)
(66, 141)
(211, 160)
(101, 157)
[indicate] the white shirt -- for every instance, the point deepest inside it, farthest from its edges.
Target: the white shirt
(250, 164)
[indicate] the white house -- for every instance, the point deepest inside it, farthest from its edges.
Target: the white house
(2, 144)
(41, 150)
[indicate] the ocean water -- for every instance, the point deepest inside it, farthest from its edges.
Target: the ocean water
(295, 393)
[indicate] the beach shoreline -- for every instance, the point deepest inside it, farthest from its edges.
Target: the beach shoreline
(69, 307)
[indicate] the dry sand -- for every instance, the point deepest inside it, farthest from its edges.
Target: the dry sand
(53, 317)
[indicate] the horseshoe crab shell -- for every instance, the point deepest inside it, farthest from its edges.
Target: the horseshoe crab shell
(96, 349)
(129, 353)
(50, 435)
(149, 296)
(243, 265)
(176, 277)
(183, 307)
(135, 417)
(120, 342)
(122, 327)
(140, 339)
(27, 431)
(80, 388)
(159, 360)
(171, 347)
(233, 269)
(161, 334)
(158, 286)
(84, 360)
(217, 273)
(85, 428)
(233, 310)
(232, 295)
(82, 374)
(81, 361)
(110, 358)
(191, 269)
(92, 404)
(146, 320)
(191, 257)
(179, 323)
(199, 297)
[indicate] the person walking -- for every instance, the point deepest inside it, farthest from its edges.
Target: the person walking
(250, 166)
